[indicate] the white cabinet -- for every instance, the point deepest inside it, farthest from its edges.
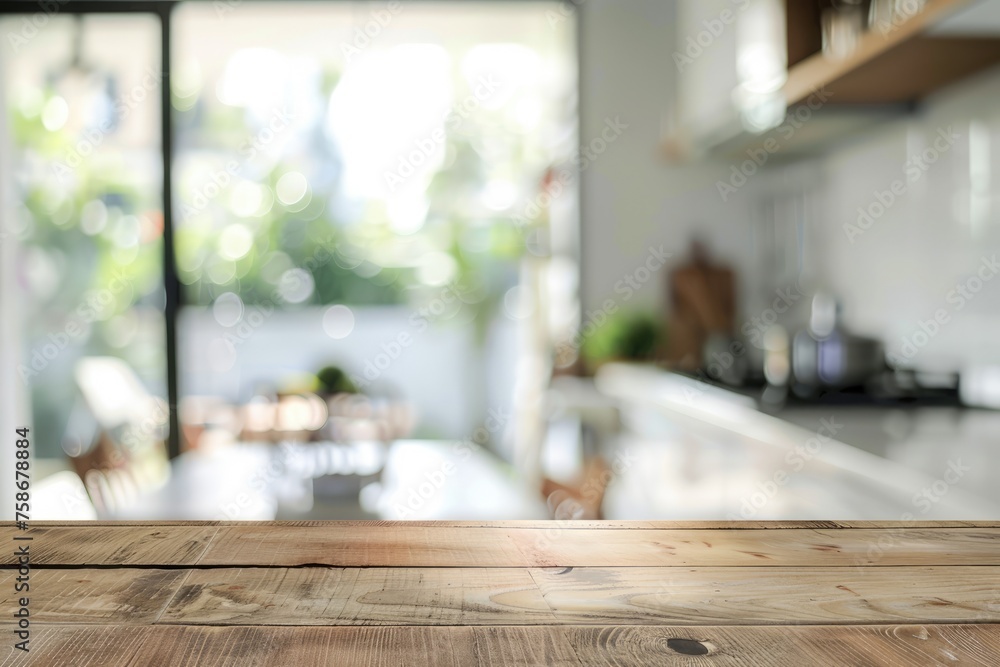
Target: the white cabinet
(730, 56)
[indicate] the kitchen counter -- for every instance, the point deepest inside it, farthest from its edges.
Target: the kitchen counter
(508, 593)
(701, 452)
(925, 439)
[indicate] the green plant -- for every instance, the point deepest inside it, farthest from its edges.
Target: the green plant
(633, 336)
(333, 380)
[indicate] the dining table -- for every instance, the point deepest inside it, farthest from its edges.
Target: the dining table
(459, 593)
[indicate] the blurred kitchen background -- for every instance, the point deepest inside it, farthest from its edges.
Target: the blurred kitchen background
(646, 259)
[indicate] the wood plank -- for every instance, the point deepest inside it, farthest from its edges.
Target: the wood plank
(800, 548)
(681, 596)
(818, 71)
(635, 646)
(87, 596)
(370, 596)
(79, 646)
(560, 544)
(915, 69)
(440, 596)
(404, 546)
(7, 528)
(767, 595)
(110, 545)
(390, 546)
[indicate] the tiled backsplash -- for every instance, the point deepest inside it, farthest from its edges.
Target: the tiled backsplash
(908, 230)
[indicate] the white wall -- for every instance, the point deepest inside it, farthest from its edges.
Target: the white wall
(901, 270)
(443, 372)
(632, 197)
(898, 273)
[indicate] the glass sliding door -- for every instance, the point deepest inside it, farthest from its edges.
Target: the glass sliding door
(83, 123)
(311, 198)
(359, 186)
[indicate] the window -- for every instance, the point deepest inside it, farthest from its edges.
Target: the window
(87, 219)
(349, 179)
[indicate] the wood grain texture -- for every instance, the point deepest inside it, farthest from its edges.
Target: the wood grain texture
(86, 544)
(80, 646)
(677, 596)
(397, 545)
(818, 70)
(636, 646)
(604, 524)
(790, 548)
(767, 595)
(370, 596)
(516, 596)
(169, 594)
(400, 545)
(75, 596)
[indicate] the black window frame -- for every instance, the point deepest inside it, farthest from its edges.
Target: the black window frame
(162, 9)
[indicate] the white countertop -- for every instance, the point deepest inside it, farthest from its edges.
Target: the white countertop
(700, 455)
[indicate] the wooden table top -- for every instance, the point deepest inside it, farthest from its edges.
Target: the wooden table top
(508, 593)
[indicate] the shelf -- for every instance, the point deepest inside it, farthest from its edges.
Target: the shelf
(901, 66)
(882, 79)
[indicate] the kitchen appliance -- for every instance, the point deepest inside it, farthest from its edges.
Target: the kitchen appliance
(825, 355)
